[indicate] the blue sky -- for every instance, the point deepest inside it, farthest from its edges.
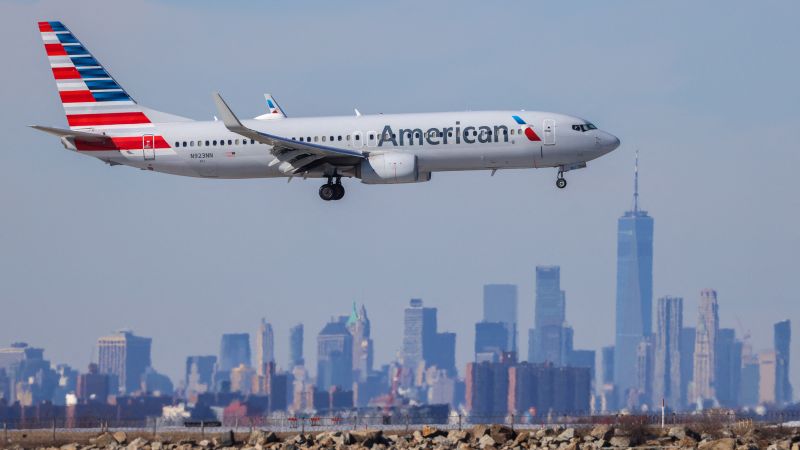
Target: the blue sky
(707, 91)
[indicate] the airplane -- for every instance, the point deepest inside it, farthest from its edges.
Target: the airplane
(105, 122)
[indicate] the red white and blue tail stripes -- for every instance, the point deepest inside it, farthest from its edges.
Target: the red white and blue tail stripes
(90, 95)
(529, 133)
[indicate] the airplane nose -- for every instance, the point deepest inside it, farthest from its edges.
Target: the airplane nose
(609, 142)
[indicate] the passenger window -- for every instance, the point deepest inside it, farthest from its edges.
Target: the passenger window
(230, 142)
(347, 137)
(512, 131)
(323, 138)
(340, 137)
(177, 144)
(358, 138)
(191, 143)
(244, 141)
(331, 138)
(236, 142)
(371, 136)
(207, 144)
(308, 139)
(316, 138)
(252, 141)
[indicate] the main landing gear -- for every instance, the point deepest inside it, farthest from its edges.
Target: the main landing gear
(561, 182)
(330, 191)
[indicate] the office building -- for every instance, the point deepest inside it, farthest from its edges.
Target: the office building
(296, 346)
(549, 338)
(423, 345)
(687, 364)
(359, 326)
(782, 340)
(127, 357)
(500, 306)
(728, 367)
(265, 347)
(491, 341)
(234, 351)
(634, 289)
(667, 365)
(199, 374)
(704, 348)
(766, 377)
(335, 356)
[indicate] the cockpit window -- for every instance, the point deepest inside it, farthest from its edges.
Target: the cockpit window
(584, 127)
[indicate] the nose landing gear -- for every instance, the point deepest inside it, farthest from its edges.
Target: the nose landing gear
(330, 191)
(561, 182)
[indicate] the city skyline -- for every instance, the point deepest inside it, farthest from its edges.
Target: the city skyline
(720, 224)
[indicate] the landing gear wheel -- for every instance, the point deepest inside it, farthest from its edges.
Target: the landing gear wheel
(561, 183)
(327, 192)
(338, 191)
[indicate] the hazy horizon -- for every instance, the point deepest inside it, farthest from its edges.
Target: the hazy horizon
(708, 94)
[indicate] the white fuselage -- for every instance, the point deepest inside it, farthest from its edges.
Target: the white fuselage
(440, 141)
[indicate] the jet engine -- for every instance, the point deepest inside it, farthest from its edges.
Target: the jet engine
(391, 168)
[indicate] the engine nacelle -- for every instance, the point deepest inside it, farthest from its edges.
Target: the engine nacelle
(391, 168)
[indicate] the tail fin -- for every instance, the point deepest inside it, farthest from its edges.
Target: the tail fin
(274, 111)
(90, 95)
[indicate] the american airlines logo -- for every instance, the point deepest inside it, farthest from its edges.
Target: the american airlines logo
(469, 135)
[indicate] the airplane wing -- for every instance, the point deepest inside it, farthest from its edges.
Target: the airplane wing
(82, 135)
(293, 156)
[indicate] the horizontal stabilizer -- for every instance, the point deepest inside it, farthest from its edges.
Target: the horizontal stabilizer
(82, 135)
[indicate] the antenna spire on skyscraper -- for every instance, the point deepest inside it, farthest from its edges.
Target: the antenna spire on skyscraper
(636, 184)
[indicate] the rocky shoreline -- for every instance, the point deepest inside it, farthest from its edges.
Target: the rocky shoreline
(480, 437)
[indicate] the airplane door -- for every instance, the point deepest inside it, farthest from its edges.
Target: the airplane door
(148, 147)
(549, 127)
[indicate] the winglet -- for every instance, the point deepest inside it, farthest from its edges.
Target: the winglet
(228, 117)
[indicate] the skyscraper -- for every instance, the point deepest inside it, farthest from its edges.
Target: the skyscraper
(265, 347)
(766, 377)
(419, 333)
(296, 346)
(359, 327)
(199, 376)
(704, 347)
(335, 356)
(549, 335)
(782, 341)
(607, 374)
(687, 364)
(667, 382)
(491, 340)
(500, 306)
(234, 351)
(126, 356)
(634, 314)
(728, 368)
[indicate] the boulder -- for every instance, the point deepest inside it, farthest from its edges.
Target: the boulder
(718, 444)
(479, 431)
(566, 435)
(430, 432)
(521, 438)
(103, 440)
(486, 441)
(137, 444)
(502, 434)
(683, 432)
(204, 443)
(157, 445)
(120, 437)
(620, 441)
(456, 436)
(604, 432)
